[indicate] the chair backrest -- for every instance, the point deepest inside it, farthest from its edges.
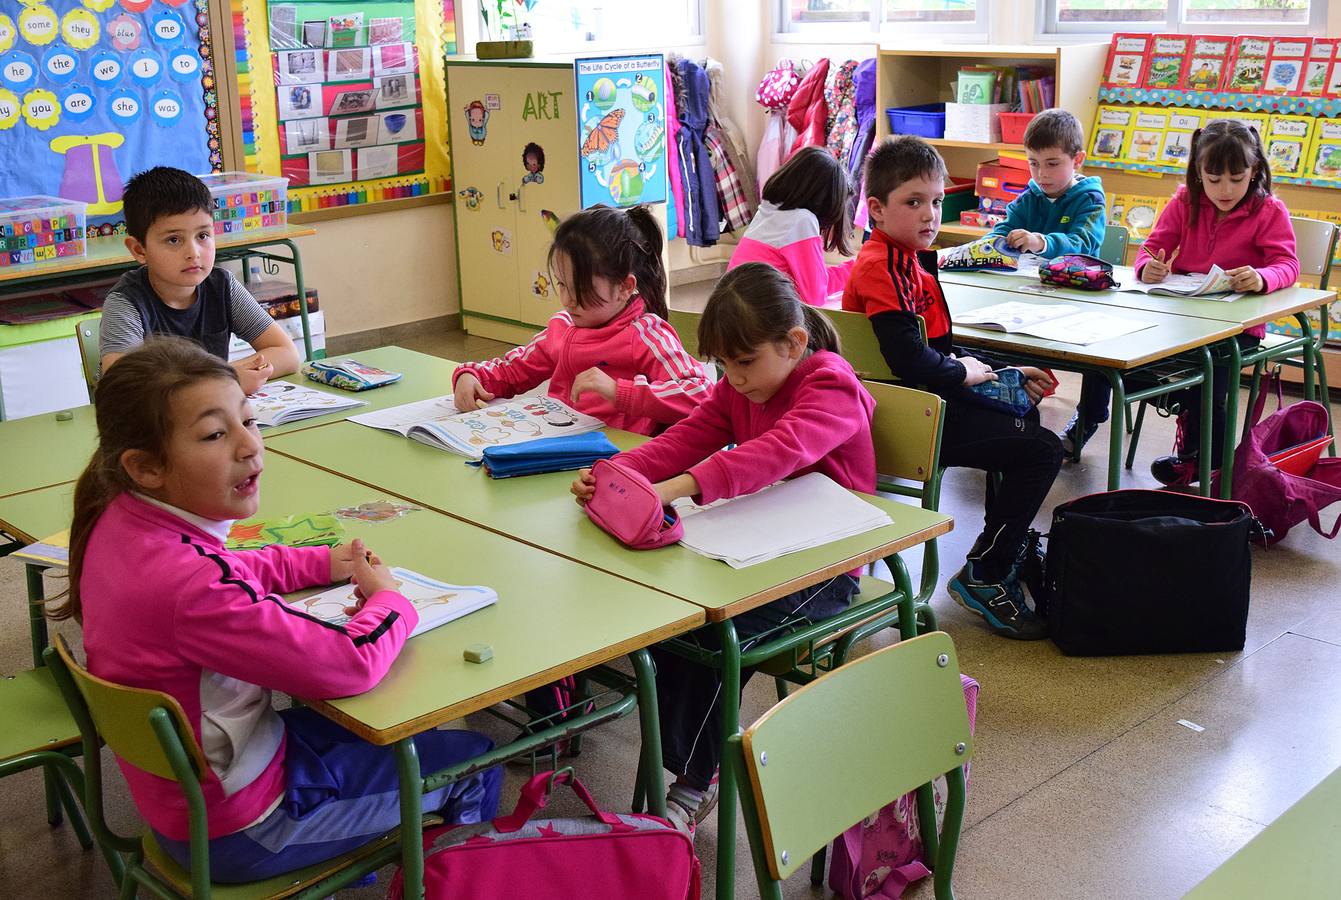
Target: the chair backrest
(1113, 250)
(121, 716)
(859, 345)
(902, 716)
(685, 324)
(1314, 244)
(906, 431)
(87, 333)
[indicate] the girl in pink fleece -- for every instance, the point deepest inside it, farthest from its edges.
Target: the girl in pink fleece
(792, 406)
(610, 353)
(1224, 215)
(165, 606)
(805, 211)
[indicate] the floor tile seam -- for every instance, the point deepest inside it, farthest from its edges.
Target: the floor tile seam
(1310, 637)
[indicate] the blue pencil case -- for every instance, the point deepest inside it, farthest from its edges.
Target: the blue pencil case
(1006, 394)
(556, 454)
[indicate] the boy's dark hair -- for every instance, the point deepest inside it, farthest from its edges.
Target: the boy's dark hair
(613, 243)
(900, 159)
(162, 191)
(755, 304)
(1221, 148)
(1054, 128)
(813, 180)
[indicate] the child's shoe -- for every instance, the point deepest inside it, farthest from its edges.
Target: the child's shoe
(1002, 605)
(1175, 471)
(686, 807)
(1028, 568)
(1073, 439)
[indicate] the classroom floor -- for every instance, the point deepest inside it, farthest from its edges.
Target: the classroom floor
(1084, 783)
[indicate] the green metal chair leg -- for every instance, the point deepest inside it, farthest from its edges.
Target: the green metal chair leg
(1254, 388)
(726, 786)
(1226, 461)
(411, 817)
(817, 864)
(649, 761)
(1136, 433)
(72, 811)
(781, 686)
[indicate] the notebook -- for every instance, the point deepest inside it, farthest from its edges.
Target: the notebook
(437, 602)
(1213, 285)
(1055, 322)
(52, 551)
(280, 402)
(437, 422)
(755, 528)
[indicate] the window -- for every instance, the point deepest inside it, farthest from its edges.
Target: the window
(1224, 16)
(876, 19)
(599, 25)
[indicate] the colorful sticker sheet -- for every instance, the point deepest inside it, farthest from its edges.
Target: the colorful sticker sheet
(93, 91)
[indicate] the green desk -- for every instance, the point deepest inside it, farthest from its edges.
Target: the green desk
(553, 619)
(539, 510)
(1295, 856)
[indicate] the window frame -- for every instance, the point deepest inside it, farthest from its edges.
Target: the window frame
(876, 30)
(695, 37)
(1049, 28)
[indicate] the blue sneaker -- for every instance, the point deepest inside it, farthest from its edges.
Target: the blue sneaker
(1073, 439)
(1001, 604)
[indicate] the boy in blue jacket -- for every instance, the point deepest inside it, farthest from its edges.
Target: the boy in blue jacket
(1062, 211)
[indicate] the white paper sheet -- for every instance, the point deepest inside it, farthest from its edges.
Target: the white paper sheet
(436, 601)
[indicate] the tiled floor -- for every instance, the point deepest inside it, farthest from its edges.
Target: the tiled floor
(1084, 784)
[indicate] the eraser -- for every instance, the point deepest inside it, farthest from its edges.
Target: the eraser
(478, 653)
(64, 415)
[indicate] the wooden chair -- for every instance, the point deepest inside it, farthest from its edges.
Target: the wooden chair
(86, 332)
(901, 717)
(1113, 250)
(860, 346)
(149, 730)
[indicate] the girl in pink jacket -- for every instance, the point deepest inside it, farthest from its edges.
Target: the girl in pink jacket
(805, 211)
(610, 353)
(1224, 215)
(165, 606)
(792, 406)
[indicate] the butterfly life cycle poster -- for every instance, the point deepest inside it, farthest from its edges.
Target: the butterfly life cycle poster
(622, 129)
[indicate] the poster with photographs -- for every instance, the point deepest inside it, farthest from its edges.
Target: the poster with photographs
(347, 92)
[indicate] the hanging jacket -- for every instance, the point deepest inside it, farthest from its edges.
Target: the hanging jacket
(675, 206)
(863, 93)
(701, 212)
(840, 96)
(736, 190)
(773, 94)
(807, 112)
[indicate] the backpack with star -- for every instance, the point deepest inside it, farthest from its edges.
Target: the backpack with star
(603, 856)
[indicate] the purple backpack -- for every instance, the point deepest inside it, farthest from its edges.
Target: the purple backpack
(882, 854)
(1279, 498)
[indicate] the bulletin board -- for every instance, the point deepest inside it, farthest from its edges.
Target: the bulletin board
(622, 142)
(93, 91)
(345, 98)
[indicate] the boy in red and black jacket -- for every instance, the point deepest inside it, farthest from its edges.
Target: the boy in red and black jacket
(893, 282)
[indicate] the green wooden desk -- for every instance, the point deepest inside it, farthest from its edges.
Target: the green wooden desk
(540, 511)
(553, 619)
(1295, 856)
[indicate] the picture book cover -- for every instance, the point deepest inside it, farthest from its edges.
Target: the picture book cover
(298, 530)
(1324, 155)
(1318, 68)
(1168, 61)
(991, 252)
(1206, 69)
(1287, 142)
(281, 402)
(436, 601)
(1285, 67)
(1109, 135)
(1147, 135)
(1247, 74)
(1127, 55)
(1177, 146)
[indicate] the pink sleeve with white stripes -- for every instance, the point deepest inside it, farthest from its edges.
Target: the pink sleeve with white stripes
(675, 383)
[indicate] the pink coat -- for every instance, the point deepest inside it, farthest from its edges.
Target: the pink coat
(818, 421)
(657, 382)
(166, 607)
(789, 240)
(807, 112)
(1257, 233)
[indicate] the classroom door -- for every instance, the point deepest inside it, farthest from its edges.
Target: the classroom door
(484, 177)
(544, 177)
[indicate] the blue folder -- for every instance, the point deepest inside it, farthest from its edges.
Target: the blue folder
(556, 454)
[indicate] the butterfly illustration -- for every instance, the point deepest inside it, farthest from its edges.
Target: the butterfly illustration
(604, 134)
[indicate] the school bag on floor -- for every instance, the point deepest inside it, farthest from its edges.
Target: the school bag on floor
(882, 854)
(603, 856)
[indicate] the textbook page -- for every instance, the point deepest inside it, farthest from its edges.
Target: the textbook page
(437, 602)
(501, 423)
(280, 402)
(764, 525)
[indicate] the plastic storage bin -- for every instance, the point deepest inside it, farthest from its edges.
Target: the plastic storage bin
(40, 229)
(977, 122)
(959, 197)
(1013, 126)
(245, 201)
(927, 120)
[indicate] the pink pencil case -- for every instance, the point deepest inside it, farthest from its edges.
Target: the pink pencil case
(627, 507)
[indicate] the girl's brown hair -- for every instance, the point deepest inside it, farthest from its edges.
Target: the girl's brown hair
(813, 180)
(133, 405)
(755, 304)
(1223, 147)
(613, 244)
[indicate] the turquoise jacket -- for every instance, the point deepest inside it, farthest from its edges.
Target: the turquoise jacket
(1073, 223)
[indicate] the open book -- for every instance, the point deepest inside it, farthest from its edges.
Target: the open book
(437, 423)
(51, 551)
(1215, 282)
(764, 525)
(1060, 322)
(280, 402)
(437, 602)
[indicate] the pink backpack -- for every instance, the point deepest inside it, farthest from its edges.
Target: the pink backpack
(604, 856)
(882, 854)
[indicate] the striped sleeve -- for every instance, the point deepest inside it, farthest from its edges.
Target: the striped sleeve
(521, 368)
(121, 330)
(670, 383)
(250, 320)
